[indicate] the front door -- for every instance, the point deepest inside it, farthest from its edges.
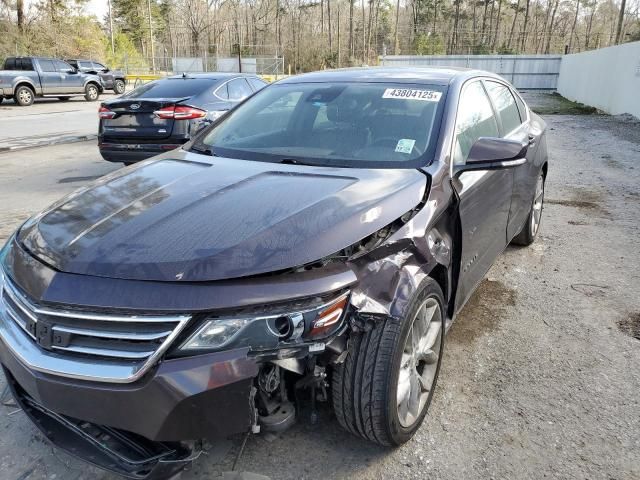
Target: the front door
(485, 196)
(71, 80)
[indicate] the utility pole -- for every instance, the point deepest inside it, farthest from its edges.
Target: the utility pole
(153, 53)
(113, 48)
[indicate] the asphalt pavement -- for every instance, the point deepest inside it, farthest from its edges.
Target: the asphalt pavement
(48, 121)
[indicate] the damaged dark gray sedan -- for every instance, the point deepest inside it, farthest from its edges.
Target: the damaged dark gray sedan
(312, 245)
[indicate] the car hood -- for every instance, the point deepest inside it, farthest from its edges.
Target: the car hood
(188, 217)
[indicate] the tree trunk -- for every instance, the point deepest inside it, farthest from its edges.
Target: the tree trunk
(20, 14)
(497, 28)
(351, 46)
(623, 6)
(573, 26)
(553, 16)
(454, 33)
(329, 24)
(587, 36)
(513, 24)
(524, 26)
(364, 35)
(396, 46)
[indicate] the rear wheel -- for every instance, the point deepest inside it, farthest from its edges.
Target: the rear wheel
(24, 96)
(91, 92)
(118, 87)
(530, 229)
(383, 389)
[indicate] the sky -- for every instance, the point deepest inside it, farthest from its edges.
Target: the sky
(97, 7)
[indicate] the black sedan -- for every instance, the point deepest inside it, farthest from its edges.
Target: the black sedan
(313, 244)
(164, 114)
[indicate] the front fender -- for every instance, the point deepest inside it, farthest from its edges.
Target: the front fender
(390, 275)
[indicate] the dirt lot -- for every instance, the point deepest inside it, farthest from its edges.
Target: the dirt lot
(541, 374)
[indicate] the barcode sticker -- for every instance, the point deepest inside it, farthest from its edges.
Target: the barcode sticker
(412, 94)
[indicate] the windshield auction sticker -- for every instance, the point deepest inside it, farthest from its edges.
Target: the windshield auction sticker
(412, 94)
(405, 145)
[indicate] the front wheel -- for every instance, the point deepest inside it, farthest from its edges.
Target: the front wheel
(91, 92)
(530, 229)
(384, 388)
(118, 87)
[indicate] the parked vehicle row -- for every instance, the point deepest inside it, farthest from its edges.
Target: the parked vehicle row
(25, 78)
(164, 114)
(312, 244)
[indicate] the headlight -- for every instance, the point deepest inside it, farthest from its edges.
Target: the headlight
(269, 331)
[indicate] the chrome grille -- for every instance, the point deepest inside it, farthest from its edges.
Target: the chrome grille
(101, 340)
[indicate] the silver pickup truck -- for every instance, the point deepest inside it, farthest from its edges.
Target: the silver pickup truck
(24, 78)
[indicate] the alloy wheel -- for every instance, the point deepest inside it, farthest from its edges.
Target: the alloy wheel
(419, 363)
(537, 205)
(25, 95)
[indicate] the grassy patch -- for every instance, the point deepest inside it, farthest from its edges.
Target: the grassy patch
(556, 104)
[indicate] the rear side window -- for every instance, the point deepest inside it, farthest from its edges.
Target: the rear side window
(18, 64)
(172, 88)
(256, 83)
(47, 66)
(25, 64)
(505, 105)
(238, 89)
(222, 92)
(475, 119)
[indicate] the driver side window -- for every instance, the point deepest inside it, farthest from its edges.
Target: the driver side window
(475, 119)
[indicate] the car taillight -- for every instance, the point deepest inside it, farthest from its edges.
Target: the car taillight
(105, 113)
(179, 112)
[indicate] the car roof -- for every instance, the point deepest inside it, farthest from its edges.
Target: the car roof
(209, 76)
(426, 75)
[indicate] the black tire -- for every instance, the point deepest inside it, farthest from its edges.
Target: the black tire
(64, 99)
(91, 92)
(364, 386)
(118, 87)
(531, 228)
(24, 96)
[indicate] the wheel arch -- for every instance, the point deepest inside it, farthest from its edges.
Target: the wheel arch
(24, 83)
(97, 85)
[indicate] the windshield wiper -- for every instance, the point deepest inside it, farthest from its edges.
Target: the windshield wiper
(203, 151)
(294, 161)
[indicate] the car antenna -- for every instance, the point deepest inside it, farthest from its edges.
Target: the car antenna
(184, 74)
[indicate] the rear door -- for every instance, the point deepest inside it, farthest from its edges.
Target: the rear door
(515, 126)
(485, 196)
(49, 77)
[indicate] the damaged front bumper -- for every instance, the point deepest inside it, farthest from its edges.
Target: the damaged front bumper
(120, 452)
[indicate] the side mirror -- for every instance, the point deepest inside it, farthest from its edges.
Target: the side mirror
(493, 154)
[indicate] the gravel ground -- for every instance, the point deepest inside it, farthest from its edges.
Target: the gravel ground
(540, 376)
